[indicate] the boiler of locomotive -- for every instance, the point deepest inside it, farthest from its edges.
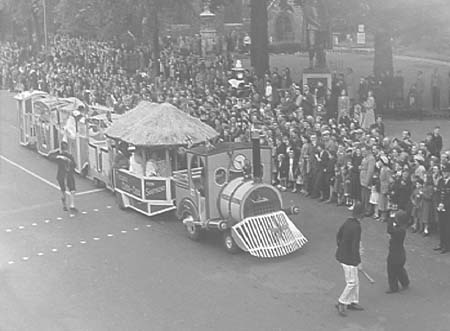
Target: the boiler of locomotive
(243, 198)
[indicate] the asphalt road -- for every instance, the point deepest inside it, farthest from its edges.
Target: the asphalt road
(107, 269)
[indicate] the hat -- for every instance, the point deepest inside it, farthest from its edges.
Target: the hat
(446, 167)
(401, 217)
(419, 158)
(358, 210)
(384, 160)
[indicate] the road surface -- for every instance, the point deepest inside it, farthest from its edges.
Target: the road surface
(108, 269)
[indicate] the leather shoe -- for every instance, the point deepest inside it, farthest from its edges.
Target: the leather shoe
(341, 309)
(390, 292)
(354, 306)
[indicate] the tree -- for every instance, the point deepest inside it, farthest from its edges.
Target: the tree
(259, 37)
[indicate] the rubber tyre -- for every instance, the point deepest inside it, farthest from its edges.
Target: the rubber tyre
(119, 201)
(229, 243)
(193, 231)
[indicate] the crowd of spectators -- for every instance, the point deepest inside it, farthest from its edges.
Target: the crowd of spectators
(327, 144)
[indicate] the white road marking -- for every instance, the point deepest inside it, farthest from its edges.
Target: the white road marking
(149, 225)
(90, 191)
(136, 229)
(8, 230)
(109, 207)
(84, 212)
(96, 210)
(33, 224)
(54, 250)
(47, 221)
(21, 227)
(10, 262)
(59, 218)
(25, 258)
(71, 215)
(29, 172)
(69, 245)
(96, 238)
(40, 254)
(110, 235)
(123, 231)
(82, 242)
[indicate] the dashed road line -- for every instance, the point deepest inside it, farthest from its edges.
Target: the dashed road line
(83, 242)
(40, 254)
(54, 250)
(25, 258)
(96, 238)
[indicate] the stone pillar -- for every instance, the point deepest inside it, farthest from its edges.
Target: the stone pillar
(208, 32)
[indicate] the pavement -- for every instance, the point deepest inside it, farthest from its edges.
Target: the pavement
(108, 269)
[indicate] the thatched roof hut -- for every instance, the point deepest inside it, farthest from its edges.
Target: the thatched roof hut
(159, 125)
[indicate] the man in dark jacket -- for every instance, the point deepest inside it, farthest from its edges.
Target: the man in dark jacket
(348, 255)
(65, 175)
(396, 228)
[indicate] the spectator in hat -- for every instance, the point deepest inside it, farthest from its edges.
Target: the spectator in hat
(396, 228)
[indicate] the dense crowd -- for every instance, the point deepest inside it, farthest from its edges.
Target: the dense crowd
(327, 144)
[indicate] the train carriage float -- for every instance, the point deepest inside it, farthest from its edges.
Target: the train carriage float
(156, 131)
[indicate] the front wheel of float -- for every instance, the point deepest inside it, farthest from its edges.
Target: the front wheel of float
(229, 243)
(193, 230)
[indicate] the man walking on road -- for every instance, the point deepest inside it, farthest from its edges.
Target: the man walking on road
(65, 175)
(397, 256)
(348, 255)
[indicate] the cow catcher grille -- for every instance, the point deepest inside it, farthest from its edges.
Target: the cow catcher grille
(269, 235)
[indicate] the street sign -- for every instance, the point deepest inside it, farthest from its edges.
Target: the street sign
(361, 38)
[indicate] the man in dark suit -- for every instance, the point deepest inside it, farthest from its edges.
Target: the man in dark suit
(444, 210)
(348, 255)
(396, 228)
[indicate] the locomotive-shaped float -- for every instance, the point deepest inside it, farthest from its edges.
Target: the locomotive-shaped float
(219, 191)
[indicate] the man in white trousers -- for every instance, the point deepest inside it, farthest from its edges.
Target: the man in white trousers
(348, 255)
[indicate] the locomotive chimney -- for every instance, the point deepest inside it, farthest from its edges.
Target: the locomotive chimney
(257, 170)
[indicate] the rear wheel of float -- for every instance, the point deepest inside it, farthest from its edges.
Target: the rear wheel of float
(193, 230)
(229, 243)
(119, 201)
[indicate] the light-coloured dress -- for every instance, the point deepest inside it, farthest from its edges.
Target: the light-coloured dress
(368, 118)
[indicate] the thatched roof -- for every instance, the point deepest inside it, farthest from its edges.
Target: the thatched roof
(153, 124)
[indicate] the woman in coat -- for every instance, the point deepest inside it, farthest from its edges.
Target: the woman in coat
(427, 204)
(385, 182)
(355, 191)
(368, 112)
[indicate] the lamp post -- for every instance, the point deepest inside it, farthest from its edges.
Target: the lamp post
(44, 4)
